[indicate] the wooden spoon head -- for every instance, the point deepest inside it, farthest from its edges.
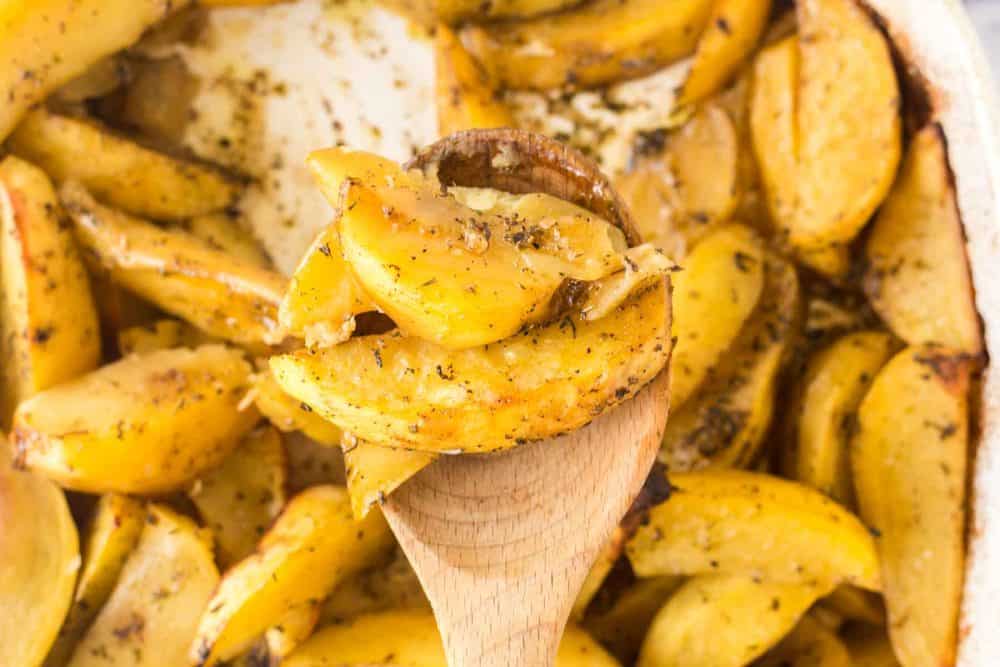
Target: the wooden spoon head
(502, 543)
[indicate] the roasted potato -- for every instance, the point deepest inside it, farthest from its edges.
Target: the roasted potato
(152, 614)
(810, 644)
(753, 525)
(465, 96)
(385, 587)
(601, 42)
(453, 11)
(49, 330)
(312, 546)
(918, 275)
(288, 414)
(160, 335)
(855, 604)
(622, 626)
(147, 424)
(118, 171)
(216, 292)
(311, 463)
(909, 458)
(224, 233)
(373, 472)
(40, 552)
(871, 650)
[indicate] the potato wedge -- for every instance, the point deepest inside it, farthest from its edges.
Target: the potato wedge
(47, 43)
(733, 30)
(918, 275)
(810, 644)
(723, 621)
(373, 472)
(713, 297)
(223, 232)
(113, 533)
(102, 78)
(240, 497)
(159, 98)
(909, 459)
(601, 42)
(432, 12)
(288, 414)
(390, 586)
(753, 525)
(152, 614)
(411, 638)
(219, 294)
(311, 463)
(118, 171)
(41, 556)
(622, 626)
(405, 392)
(725, 421)
(835, 381)
(49, 330)
(313, 545)
(871, 650)
(142, 425)
(855, 604)
(293, 629)
(465, 96)
(160, 335)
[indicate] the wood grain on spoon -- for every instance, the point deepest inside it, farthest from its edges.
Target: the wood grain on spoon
(503, 543)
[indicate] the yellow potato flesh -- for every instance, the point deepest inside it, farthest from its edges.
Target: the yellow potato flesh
(46, 43)
(182, 275)
(224, 233)
(754, 525)
(835, 381)
(119, 171)
(374, 472)
(810, 644)
(909, 459)
(465, 97)
(622, 627)
(411, 638)
(723, 621)
(145, 424)
(240, 497)
(160, 335)
(390, 586)
(714, 295)
(49, 330)
(288, 414)
(918, 279)
(40, 553)
(314, 544)
(113, 533)
(152, 614)
(855, 604)
(406, 392)
(601, 42)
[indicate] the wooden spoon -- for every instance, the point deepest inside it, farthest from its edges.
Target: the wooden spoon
(502, 543)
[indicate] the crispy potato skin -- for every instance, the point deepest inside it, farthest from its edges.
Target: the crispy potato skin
(40, 553)
(602, 42)
(46, 43)
(909, 459)
(918, 277)
(374, 472)
(49, 325)
(142, 425)
(464, 94)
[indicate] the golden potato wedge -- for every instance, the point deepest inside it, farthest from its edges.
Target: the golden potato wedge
(160, 335)
(373, 472)
(855, 604)
(464, 95)
(224, 233)
(293, 629)
(313, 545)
(432, 12)
(143, 425)
(47, 43)
(836, 379)
(49, 330)
(311, 463)
(871, 650)
(810, 644)
(733, 31)
(152, 614)
(713, 297)
(725, 421)
(406, 392)
(754, 525)
(391, 586)
(118, 171)
(113, 533)
(102, 78)
(118, 309)
(909, 462)
(601, 42)
(288, 414)
(41, 555)
(723, 621)
(240, 497)
(918, 275)
(219, 294)
(411, 638)
(622, 626)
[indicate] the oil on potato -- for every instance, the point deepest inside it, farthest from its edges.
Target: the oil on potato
(145, 425)
(184, 276)
(374, 472)
(918, 276)
(465, 96)
(288, 414)
(754, 525)
(49, 330)
(313, 545)
(41, 556)
(909, 458)
(152, 613)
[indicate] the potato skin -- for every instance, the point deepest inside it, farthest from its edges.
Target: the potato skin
(143, 425)
(466, 98)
